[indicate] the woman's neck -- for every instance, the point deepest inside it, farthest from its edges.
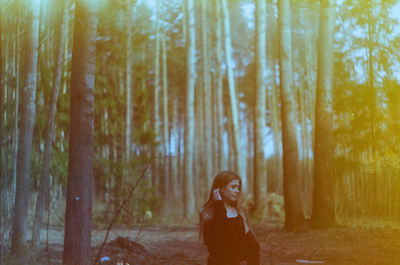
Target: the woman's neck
(231, 211)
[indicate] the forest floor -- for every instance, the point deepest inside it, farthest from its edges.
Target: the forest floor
(180, 246)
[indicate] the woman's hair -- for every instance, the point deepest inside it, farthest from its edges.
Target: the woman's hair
(220, 181)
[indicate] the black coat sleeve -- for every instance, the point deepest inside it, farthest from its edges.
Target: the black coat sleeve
(252, 249)
(215, 230)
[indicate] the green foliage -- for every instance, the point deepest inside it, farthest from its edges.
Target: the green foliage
(114, 182)
(366, 112)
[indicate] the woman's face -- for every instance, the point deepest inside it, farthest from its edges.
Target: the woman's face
(231, 191)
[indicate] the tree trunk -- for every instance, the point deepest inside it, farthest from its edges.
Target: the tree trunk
(291, 191)
(175, 188)
(3, 173)
(81, 148)
(239, 167)
(26, 132)
(275, 179)
(188, 191)
(165, 116)
(17, 85)
(43, 194)
(199, 177)
(323, 214)
(307, 173)
(157, 89)
(260, 177)
(374, 97)
(207, 98)
(219, 93)
(129, 74)
(309, 56)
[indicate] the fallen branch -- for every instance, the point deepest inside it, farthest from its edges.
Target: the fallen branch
(119, 211)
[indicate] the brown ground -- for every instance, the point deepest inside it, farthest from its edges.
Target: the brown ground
(180, 246)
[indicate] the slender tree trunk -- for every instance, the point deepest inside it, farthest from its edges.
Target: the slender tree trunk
(26, 132)
(207, 97)
(64, 90)
(260, 177)
(15, 154)
(219, 93)
(275, 179)
(310, 97)
(165, 115)
(188, 191)
(373, 92)
(3, 173)
(78, 218)
(44, 174)
(129, 74)
(291, 191)
(307, 112)
(199, 177)
(157, 89)
(184, 19)
(323, 214)
(239, 166)
(175, 161)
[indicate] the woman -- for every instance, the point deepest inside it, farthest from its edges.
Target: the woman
(223, 224)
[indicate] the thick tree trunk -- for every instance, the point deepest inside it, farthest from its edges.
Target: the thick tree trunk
(323, 214)
(78, 218)
(188, 191)
(239, 161)
(26, 132)
(291, 191)
(260, 176)
(44, 173)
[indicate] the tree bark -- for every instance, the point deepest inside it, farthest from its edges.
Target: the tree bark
(61, 16)
(157, 89)
(188, 191)
(323, 214)
(175, 190)
(165, 115)
(129, 74)
(207, 97)
(260, 176)
(81, 148)
(275, 179)
(3, 173)
(26, 132)
(291, 191)
(219, 87)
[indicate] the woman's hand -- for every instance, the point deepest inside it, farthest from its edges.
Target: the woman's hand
(216, 195)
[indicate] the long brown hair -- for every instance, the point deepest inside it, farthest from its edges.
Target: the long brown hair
(220, 181)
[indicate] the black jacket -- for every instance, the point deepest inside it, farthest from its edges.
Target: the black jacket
(227, 241)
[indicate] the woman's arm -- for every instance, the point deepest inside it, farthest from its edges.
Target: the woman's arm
(215, 230)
